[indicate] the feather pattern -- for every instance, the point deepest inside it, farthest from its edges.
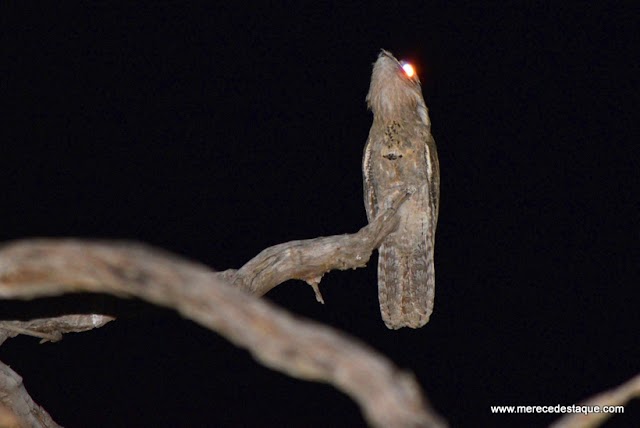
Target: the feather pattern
(401, 154)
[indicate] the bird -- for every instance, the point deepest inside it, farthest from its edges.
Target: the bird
(400, 154)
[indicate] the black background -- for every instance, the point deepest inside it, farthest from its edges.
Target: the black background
(215, 131)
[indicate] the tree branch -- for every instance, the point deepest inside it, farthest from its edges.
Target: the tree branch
(310, 259)
(304, 349)
(19, 404)
(618, 396)
(52, 329)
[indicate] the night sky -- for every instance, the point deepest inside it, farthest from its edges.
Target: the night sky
(216, 131)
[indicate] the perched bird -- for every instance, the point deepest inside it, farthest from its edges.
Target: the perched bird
(401, 155)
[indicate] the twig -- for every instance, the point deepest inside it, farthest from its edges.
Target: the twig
(618, 396)
(52, 329)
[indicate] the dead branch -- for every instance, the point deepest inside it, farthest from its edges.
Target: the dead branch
(19, 407)
(16, 406)
(310, 259)
(304, 349)
(52, 329)
(618, 396)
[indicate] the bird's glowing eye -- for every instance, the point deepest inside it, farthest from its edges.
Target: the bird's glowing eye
(408, 69)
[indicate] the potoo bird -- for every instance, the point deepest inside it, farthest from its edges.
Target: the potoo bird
(401, 155)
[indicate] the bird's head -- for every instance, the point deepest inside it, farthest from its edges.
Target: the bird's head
(395, 89)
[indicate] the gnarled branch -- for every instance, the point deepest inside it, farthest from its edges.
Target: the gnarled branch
(304, 349)
(310, 259)
(52, 329)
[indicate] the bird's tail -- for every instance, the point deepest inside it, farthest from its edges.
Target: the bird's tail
(406, 285)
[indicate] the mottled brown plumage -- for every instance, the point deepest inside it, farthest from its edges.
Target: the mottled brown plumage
(401, 154)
